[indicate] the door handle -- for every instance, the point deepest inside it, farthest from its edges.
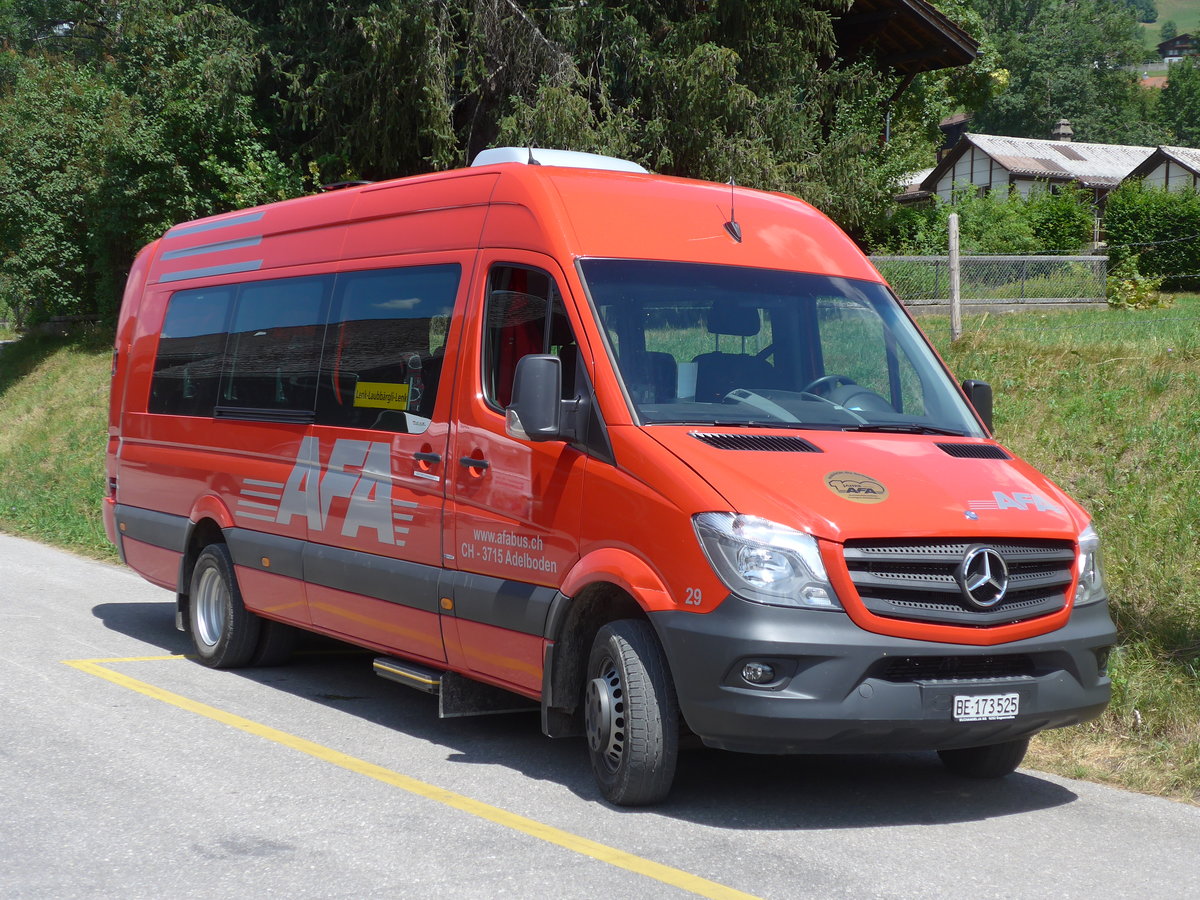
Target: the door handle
(422, 456)
(472, 463)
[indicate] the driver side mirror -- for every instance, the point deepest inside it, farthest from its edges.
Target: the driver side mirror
(535, 413)
(979, 394)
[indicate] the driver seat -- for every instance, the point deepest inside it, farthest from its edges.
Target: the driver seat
(718, 372)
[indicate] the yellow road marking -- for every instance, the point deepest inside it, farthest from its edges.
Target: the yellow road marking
(124, 659)
(573, 842)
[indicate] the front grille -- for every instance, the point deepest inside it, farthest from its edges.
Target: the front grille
(955, 668)
(915, 580)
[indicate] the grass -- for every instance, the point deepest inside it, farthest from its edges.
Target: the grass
(53, 425)
(1105, 402)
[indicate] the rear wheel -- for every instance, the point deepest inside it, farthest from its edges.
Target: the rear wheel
(631, 716)
(225, 634)
(276, 642)
(994, 761)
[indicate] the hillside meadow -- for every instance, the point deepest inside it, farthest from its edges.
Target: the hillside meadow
(1103, 401)
(1184, 13)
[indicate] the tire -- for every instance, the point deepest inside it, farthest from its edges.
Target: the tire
(631, 715)
(224, 633)
(994, 761)
(276, 642)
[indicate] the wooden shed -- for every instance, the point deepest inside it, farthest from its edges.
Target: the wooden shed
(992, 161)
(1173, 168)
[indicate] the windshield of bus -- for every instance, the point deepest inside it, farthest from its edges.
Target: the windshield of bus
(730, 346)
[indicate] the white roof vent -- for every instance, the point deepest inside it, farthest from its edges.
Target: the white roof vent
(569, 159)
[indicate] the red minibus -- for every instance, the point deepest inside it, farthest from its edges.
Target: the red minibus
(661, 456)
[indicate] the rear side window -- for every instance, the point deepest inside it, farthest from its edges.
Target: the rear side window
(274, 349)
(187, 371)
(357, 350)
(385, 346)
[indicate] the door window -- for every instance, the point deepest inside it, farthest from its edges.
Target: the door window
(525, 315)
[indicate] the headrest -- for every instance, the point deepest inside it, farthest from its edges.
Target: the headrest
(731, 318)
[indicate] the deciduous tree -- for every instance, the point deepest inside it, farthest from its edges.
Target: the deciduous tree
(1068, 59)
(728, 89)
(120, 118)
(1179, 105)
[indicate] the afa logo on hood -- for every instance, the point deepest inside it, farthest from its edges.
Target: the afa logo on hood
(856, 487)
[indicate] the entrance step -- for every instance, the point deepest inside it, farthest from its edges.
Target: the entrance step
(457, 695)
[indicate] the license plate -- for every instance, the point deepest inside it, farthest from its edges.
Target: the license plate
(986, 707)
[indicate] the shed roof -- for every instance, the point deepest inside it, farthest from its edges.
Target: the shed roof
(914, 187)
(1187, 157)
(909, 36)
(1092, 165)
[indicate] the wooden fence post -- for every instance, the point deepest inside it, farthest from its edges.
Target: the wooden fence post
(955, 289)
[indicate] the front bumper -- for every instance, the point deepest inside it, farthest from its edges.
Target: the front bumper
(840, 689)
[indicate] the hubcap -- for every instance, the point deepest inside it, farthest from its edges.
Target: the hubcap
(604, 716)
(211, 603)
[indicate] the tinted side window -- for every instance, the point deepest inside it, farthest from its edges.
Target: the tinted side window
(187, 369)
(384, 348)
(274, 348)
(525, 314)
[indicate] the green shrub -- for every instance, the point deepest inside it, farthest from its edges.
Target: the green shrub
(1062, 220)
(1160, 228)
(999, 222)
(1127, 288)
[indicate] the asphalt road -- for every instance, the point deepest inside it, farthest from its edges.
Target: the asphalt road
(127, 771)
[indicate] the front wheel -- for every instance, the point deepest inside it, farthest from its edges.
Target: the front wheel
(631, 716)
(994, 761)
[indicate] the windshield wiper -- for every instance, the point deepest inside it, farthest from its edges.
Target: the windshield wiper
(755, 423)
(906, 428)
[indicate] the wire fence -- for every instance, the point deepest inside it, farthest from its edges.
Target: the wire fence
(924, 281)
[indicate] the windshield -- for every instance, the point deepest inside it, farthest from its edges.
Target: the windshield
(731, 346)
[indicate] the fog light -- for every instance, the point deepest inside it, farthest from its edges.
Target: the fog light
(758, 673)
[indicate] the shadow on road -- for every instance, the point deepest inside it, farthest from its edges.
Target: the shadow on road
(712, 788)
(151, 623)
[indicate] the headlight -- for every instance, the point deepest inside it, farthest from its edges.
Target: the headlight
(1091, 577)
(764, 562)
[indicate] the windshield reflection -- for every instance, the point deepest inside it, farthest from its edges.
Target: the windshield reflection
(728, 346)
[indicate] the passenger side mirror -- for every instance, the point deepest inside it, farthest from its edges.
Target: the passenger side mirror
(535, 413)
(979, 394)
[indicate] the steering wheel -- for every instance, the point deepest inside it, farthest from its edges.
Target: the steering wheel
(855, 400)
(825, 384)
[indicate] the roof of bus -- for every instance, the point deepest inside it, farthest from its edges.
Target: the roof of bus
(564, 212)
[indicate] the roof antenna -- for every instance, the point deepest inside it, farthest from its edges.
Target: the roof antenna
(732, 227)
(531, 161)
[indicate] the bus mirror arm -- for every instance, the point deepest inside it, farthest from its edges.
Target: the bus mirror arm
(979, 394)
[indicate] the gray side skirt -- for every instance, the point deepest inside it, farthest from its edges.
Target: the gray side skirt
(502, 603)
